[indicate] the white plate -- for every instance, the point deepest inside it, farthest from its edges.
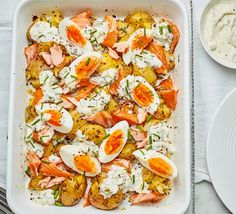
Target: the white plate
(210, 4)
(17, 193)
(221, 151)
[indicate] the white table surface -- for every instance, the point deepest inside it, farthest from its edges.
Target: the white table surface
(206, 200)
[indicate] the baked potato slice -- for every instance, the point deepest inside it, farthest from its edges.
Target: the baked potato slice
(94, 132)
(156, 183)
(72, 190)
(107, 62)
(127, 151)
(140, 19)
(163, 111)
(30, 113)
(48, 150)
(112, 105)
(77, 123)
(34, 182)
(148, 73)
(41, 18)
(56, 18)
(98, 201)
(170, 59)
(33, 70)
(125, 30)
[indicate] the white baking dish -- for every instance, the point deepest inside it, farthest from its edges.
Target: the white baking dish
(16, 192)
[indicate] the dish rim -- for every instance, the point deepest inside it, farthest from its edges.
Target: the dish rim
(186, 105)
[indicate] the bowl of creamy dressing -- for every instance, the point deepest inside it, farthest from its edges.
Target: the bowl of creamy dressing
(218, 31)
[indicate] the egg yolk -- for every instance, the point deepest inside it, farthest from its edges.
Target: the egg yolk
(140, 42)
(143, 95)
(160, 166)
(74, 35)
(84, 163)
(114, 142)
(55, 117)
(86, 67)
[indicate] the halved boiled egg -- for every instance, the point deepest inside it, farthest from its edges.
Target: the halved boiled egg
(80, 162)
(156, 162)
(56, 116)
(114, 142)
(70, 31)
(137, 88)
(83, 67)
(137, 42)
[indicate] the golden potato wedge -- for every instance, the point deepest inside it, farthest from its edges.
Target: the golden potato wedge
(112, 105)
(30, 113)
(34, 182)
(170, 58)
(33, 70)
(125, 30)
(148, 73)
(78, 123)
(107, 62)
(150, 123)
(56, 18)
(127, 151)
(98, 201)
(41, 18)
(72, 190)
(163, 111)
(156, 183)
(140, 19)
(48, 150)
(94, 132)
(66, 62)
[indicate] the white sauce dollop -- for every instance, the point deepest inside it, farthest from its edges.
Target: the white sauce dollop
(106, 78)
(41, 31)
(44, 197)
(220, 31)
(93, 105)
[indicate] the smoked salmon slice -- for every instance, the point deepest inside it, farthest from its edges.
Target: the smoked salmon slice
(176, 36)
(118, 162)
(119, 115)
(141, 198)
(34, 162)
(158, 50)
(31, 53)
(83, 19)
(170, 97)
(112, 34)
(37, 96)
(114, 86)
(51, 169)
(102, 118)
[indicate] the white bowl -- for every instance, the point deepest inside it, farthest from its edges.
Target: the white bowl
(208, 6)
(17, 194)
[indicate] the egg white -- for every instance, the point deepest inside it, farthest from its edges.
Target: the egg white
(144, 155)
(68, 152)
(63, 25)
(103, 157)
(127, 86)
(66, 119)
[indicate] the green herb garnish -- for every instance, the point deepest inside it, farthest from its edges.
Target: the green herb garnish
(29, 136)
(41, 106)
(143, 186)
(108, 135)
(59, 204)
(31, 143)
(161, 29)
(59, 102)
(42, 137)
(45, 79)
(55, 193)
(27, 172)
(73, 76)
(141, 151)
(169, 28)
(150, 139)
(88, 61)
(156, 135)
(149, 117)
(145, 33)
(35, 122)
(133, 179)
(66, 74)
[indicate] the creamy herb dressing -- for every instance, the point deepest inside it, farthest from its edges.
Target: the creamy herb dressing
(220, 30)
